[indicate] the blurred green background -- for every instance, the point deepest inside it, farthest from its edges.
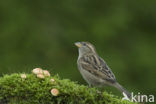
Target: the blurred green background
(42, 34)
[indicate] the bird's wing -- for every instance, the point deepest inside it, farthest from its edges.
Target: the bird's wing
(106, 67)
(97, 66)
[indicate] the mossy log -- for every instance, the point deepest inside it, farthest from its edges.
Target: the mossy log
(33, 90)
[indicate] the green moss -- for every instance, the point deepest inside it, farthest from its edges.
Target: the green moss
(33, 90)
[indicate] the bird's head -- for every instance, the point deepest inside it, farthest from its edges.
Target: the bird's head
(85, 47)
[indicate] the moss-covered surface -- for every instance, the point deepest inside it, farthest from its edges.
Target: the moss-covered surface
(33, 90)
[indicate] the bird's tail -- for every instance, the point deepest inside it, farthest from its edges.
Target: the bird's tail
(121, 89)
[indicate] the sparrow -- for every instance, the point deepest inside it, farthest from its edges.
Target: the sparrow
(94, 69)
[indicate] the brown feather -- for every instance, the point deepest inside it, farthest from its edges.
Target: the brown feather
(97, 67)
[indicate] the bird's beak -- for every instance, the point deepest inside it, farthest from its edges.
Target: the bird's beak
(78, 44)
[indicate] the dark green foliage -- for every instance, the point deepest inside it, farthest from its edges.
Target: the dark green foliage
(33, 90)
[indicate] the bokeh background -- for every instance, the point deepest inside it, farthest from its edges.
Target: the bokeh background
(42, 33)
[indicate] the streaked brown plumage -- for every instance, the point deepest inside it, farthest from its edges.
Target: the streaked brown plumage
(94, 69)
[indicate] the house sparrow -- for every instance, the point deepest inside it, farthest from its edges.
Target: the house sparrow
(94, 69)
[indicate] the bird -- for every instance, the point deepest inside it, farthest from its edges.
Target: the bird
(94, 69)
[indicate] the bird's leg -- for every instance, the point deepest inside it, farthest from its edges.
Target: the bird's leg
(97, 91)
(90, 86)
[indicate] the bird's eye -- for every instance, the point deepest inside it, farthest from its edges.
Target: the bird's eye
(84, 44)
